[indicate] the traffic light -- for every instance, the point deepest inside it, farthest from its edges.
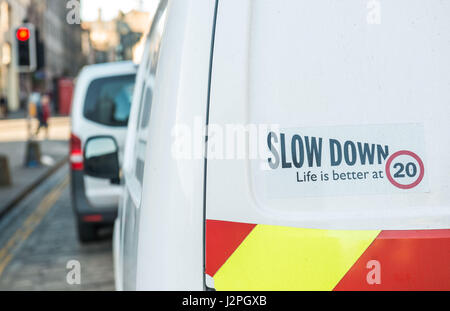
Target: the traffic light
(26, 48)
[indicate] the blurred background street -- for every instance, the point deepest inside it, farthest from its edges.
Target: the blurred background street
(38, 226)
(38, 239)
(13, 143)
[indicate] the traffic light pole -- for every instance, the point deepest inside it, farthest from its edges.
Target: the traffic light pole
(26, 49)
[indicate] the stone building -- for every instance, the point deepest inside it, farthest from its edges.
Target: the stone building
(12, 14)
(61, 43)
(114, 40)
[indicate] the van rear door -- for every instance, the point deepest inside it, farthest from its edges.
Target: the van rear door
(106, 110)
(328, 146)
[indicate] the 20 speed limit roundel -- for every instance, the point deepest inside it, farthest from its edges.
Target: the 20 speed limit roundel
(409, 167)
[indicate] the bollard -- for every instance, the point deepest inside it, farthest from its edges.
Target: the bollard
(5, 175)
(33, 154)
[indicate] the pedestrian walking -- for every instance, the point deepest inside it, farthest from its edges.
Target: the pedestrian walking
(43, 114)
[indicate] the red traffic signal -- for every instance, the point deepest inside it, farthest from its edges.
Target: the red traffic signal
(25, 46)
(23, 34)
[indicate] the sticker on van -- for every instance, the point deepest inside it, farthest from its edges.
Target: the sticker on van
(346, 160)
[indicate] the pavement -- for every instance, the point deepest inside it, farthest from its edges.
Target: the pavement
(13, 140)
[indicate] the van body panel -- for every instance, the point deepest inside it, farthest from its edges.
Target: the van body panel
(337, 90)
(318, 70)
(162, 211)
(375, 80)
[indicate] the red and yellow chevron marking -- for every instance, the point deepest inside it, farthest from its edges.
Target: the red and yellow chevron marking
(262, 257)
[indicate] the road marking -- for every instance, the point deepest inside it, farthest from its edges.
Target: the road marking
(30, 224)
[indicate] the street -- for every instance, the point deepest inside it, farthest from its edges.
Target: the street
(45, 45)
(38, 239)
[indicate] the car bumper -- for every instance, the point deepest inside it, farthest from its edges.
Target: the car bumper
(83, 210)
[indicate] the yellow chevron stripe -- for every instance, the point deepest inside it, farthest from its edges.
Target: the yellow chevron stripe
(285, 258)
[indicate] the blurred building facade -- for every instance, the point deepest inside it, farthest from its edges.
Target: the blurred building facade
(59, 48)
(114, 40)
(60, 53)
(63, 47)
(12, 13)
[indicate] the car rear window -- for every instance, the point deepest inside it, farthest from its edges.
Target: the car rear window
(108, 100)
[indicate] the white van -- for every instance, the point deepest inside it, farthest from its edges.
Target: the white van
(326, 149)
(101, 106)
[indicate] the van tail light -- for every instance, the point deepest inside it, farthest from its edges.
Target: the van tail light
(93, 218)
(76, 153)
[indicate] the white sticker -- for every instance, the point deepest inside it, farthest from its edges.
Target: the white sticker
(345, 160)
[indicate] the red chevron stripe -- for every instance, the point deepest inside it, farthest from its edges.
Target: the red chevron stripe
(222, 239)
(409, 260)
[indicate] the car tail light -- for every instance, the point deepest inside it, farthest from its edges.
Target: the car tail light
(76, 153)
(92, 218)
